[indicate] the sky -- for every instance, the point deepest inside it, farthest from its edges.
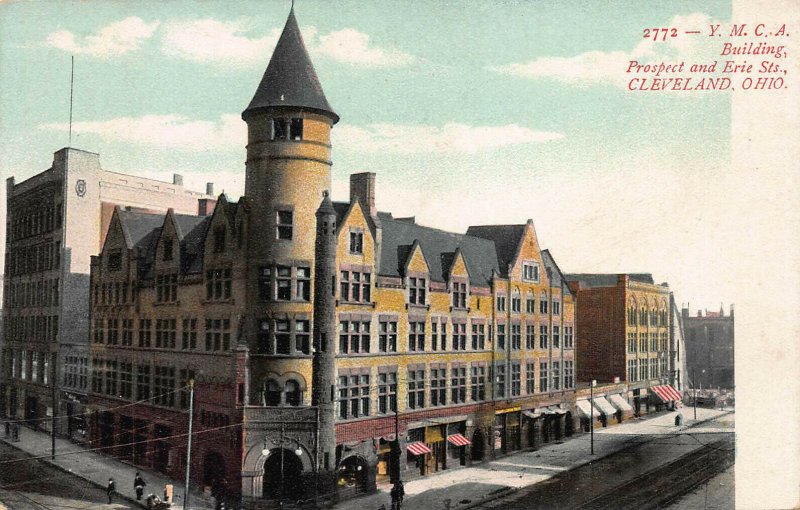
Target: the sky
(469, 112)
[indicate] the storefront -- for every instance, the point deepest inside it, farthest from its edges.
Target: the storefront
(587, 413)
(507, 430)
(665, 395)
(607, 411)
(457, 444)
(624, 409)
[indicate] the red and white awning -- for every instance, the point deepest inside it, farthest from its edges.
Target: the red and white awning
(418, 448)
(458, 440)
(667, 393)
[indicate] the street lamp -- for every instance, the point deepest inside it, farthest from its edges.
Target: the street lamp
(591, 416)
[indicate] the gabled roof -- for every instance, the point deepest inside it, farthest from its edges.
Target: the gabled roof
(554, 272)
(506, 239)
(290, 80)
(399, 236)
(589, 280)
(343, 210)
(137, 225)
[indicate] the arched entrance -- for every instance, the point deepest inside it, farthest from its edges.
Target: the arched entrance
(478, 445)
(353, 474)
(569, 426)
(282, 478)
(213, 469)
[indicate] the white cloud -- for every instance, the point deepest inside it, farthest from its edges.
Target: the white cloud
(165, 131)
(349, 46)
(114, 39)
(451, 138)
(601, 67)
(231, 44)
(212, 41)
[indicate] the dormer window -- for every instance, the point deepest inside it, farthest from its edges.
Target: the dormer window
(167, 254)
(459, 295)
(416, 291)
(279, 130)
(296, 129)
(115, 260)
(356, 242)
(219, 239)
(530, 271)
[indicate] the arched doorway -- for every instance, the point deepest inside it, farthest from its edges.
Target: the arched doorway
(569, 426)
(213, 469)
(283, 475)
(353, 474)
(478, 445)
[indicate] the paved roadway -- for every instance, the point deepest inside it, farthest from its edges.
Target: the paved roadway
(634, 477)
(35, 485)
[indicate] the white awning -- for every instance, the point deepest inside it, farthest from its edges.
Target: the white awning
(556, 410)
(603, 406)
(585, 409)
(620, 403)
(531, 414)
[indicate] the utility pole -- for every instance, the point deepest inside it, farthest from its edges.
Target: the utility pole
(55, 407)
(694, 390)
(591, 415)
(189, 447)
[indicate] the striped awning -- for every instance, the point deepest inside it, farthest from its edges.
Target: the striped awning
(418, 448)
(458, 440)
(667, 393)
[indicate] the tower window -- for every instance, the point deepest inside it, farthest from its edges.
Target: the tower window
(284, 224)
(167, 248)
(279, 129)
(296, 129)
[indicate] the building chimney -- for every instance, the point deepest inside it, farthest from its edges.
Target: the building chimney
(209, 188)
(177, 179)
(622, 279)
(731, 310)
(362, 188)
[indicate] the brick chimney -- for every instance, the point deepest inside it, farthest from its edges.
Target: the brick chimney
(362, 188)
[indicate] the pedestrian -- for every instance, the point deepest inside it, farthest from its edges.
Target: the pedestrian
(110, 489)
(138, 485)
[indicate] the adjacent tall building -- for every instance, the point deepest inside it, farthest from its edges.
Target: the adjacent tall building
(624, 321)
(56, 221)
(710, 345)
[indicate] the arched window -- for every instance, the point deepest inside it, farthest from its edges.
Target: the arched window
(272, 393)
(294, 396)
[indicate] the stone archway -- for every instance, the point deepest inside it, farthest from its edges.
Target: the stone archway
(283, 476)
(353, 473)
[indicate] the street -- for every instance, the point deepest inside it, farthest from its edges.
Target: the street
(32, 484)
(558, 475)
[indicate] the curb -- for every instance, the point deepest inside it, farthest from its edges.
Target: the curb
(50, 462)
(503, 492)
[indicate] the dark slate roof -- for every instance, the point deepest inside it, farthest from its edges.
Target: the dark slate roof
(438, 247)
(606, 280)
(139, 224)
(290, 80)
(554, 272)
(193, 245)
(187, 223)
(506, 239)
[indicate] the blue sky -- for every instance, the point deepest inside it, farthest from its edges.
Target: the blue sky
(469, 112)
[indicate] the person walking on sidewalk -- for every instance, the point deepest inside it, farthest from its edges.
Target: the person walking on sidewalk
(138, 485)
(110, 489)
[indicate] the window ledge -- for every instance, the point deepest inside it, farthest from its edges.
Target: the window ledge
(228, 301)
(166, 303)
(371, 304)
(413, 306)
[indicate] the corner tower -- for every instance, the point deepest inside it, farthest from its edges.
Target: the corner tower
(289, 122)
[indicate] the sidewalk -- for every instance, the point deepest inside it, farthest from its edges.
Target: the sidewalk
(98, 468)
(482, 482)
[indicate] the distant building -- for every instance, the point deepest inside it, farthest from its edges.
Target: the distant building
(710, 345)
(623, 323)
(56, 221)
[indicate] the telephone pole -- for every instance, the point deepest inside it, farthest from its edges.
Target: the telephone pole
(189, 447)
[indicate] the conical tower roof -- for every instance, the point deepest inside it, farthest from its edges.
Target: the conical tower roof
(290, 80)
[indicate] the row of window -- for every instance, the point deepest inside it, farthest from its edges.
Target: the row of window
(116, 331)
(37, 294)
(658, 342)
(162, 385)
(40, 217)
(31, 328)
(113, 293)
(358, 391)
(284, 283)
(76, 372)
(646, 318)
(530, 304)
(25, 365)
(33, 259)
(284, 336)
(644, 369)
